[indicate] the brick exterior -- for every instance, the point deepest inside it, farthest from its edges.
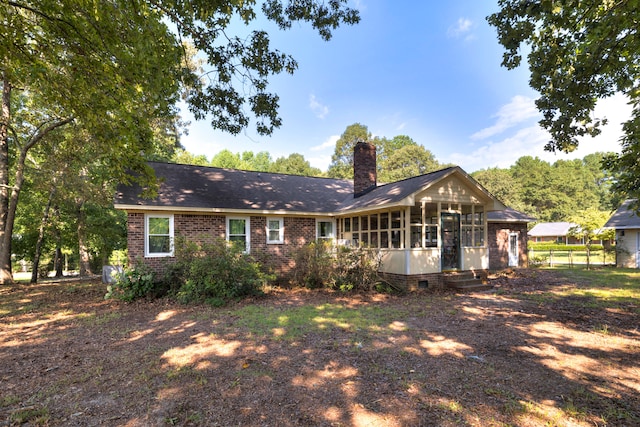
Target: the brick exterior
(416, 281)
(499, 244)
(364, 168)
(207, 228)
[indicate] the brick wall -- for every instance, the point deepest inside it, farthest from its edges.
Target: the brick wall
(207, 228)
(499, 244)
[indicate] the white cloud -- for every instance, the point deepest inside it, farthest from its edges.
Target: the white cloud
(519, 110)
(460, 29)
(319, 109)
(329, 143)
(529, 139)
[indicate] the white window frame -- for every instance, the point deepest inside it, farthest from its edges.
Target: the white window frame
(247, 231)
(147, 252)
(280, 230)
(333, 229)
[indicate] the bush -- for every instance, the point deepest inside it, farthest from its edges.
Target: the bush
(319, 264)
(136, 282)
(213, 272)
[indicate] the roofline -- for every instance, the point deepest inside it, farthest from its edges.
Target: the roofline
(190, 210)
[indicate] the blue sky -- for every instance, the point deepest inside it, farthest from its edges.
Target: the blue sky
(428, 69)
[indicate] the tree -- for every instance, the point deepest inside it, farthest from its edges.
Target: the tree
(500, 183)
(589, 226)
(114, 68)
(579, 52)
(405, 162)
(295, 164)
(342, 158)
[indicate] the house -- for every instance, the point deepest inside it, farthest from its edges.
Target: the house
(626, 222)
(554, 232)
(422, 226)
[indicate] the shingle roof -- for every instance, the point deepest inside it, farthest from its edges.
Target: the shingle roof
(509, 215)
(207, 188)
(199, 187)
(551, 229)
(624, 217)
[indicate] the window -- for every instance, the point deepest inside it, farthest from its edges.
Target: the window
(238, 232)
(275, 230)
(158, 235)
(324, 229)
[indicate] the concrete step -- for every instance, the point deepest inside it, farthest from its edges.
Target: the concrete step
(465, 282)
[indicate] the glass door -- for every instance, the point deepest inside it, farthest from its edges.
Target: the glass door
(450, 225)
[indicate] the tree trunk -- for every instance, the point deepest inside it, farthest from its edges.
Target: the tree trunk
(38, 249)
(5, 118)
(83, 250)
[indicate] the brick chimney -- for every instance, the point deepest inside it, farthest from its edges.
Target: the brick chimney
(364, 168)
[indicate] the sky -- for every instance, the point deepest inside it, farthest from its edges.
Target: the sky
(426, 69)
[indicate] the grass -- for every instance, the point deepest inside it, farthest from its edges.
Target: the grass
(294, 322)
(599, 288)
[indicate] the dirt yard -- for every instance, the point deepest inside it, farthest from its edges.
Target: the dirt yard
(518, 355)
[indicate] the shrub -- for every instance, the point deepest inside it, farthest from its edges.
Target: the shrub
(214, 272)
(319, 264)
(136, 282)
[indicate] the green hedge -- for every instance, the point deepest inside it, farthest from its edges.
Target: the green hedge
(546, 247)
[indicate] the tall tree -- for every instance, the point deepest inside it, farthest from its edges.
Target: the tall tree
(342, 158)
(114, 67)
(579, 52)
(405, 162)
(295, 164)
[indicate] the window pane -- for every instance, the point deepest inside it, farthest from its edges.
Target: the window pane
(274, 235)
(239, 240)
(159, 244)
(373, 222)
(365, 239)
(364, 223)
(416, 232)
(384, 239)
(395, 239)
(466, 235)
(325, 229)
(396, 220)
(374, 240)
(479, 236)
(159, 226)
(347, 225)
(237, 226)
(355, 239)
(384, 221)
(274, 224)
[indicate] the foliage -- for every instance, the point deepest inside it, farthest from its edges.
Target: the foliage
(321, 265)
(579, 52)
(136, 282)
(114, 71)
(543, 246)
(213, 272)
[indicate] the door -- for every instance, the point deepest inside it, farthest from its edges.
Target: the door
(450, 225)
(514, 251)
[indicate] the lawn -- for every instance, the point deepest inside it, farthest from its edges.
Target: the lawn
(542, 348)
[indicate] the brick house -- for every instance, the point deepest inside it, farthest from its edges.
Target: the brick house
(422, 226)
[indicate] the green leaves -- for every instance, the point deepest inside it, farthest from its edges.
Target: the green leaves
(580, 51)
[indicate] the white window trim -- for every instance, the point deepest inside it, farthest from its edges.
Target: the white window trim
(247, 231)
(146, 236)
(333, 228)
(280, 231)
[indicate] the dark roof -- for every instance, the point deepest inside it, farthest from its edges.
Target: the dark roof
(207, 188)
(508, 215)
(200, 187)
(624, 217)
(396, 191)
